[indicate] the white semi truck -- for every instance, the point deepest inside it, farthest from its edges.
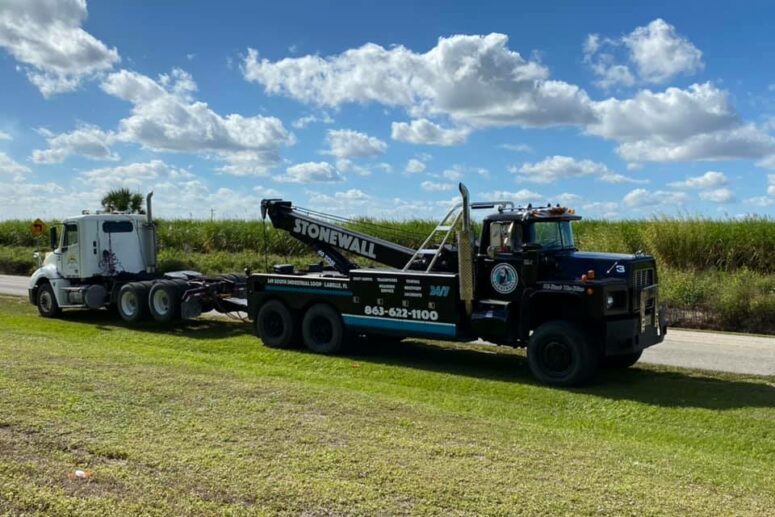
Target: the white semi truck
(108, 259)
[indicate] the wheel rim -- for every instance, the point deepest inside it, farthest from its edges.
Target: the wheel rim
(161, 302)
(129, 303)
(321, 330)
(46, 301)
(273, 325)
(556, 358)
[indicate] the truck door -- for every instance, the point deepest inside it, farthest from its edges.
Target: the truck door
(499, 270)
(71, 253)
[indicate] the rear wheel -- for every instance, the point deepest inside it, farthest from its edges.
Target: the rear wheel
(275, 325)
(164, 301)
(558, 354)
(322, 329)
(622, 361)
(47, 302)
(132, 302)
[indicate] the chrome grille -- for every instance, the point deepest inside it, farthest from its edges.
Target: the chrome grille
(644, 278)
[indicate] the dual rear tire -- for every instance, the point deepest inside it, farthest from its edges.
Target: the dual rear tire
(159, 299)
(321, 328)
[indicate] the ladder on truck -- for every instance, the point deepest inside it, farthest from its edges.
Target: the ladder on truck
(446, 227)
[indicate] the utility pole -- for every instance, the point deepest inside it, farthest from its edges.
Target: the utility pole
(212, 214)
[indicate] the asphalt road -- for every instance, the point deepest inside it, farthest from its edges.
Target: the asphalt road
(735, 353)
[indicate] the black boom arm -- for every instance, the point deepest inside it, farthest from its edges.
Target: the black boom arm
(326, 238)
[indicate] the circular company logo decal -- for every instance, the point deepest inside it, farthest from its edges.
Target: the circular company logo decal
(504, 278)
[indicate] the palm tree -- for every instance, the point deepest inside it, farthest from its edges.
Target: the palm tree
(123, 200)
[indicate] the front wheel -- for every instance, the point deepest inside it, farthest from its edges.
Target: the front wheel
(622, 361)
(322, 329)
(559, 355)
(47, 302)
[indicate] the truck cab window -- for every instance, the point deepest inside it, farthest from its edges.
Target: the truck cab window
(552, 234)
(70, 236)
(506, 236)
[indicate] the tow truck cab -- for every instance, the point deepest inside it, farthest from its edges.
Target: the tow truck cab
(529, 271)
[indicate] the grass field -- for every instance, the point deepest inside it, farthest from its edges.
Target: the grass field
(200, 418)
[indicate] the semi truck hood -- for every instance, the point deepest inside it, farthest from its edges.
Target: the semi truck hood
(605, 265)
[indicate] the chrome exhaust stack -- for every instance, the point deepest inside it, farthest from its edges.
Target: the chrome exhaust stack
(148, 237)
(465, 253)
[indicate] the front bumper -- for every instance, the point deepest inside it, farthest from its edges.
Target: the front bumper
(33, 294)
(630, 335)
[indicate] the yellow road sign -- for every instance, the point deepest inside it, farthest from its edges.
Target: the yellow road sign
(38, 228)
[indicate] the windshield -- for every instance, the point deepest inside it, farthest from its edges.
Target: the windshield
(552, 234)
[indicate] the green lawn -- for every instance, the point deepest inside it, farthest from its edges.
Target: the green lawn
(200, 418)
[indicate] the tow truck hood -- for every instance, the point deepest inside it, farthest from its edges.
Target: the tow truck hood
(606, 265)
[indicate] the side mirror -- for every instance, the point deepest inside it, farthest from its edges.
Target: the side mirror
(52, 237)
(491, 252)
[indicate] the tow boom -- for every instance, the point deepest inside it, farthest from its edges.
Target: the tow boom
(328, 238)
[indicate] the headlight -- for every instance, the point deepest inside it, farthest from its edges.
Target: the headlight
(616, 300)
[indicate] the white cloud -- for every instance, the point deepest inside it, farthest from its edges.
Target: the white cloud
(265, 192)
(771, 184)
(697, 123)
(760, 201)
(660, 53)
(5, 136)
(454, 173)
(88, 141)
(518, 148)
(11, 167)
(656, 52)
(674, 114)
(311, 172)
(165, 118)
(473, 79)
(605, 209)
(639, 198)
(349, 197)
(425, 132)
(523, 196)
(553, 168)
(414, 166)
(346, 143)
(709, 180)
(720, 195)
(566, 198)
(768, 162)
(46, 36)
(430, 186)
(140, 176)
(302, 122)
(742, 142)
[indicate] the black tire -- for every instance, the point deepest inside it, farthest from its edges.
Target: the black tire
(622, 361)
(559, 355)
(276, 325)
(164, 300)
(322, 329)
(132, 302)
(47, 302)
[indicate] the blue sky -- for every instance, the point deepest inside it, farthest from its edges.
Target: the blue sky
(619, 109)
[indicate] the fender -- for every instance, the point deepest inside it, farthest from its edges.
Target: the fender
(529, 296)
(48, 272)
